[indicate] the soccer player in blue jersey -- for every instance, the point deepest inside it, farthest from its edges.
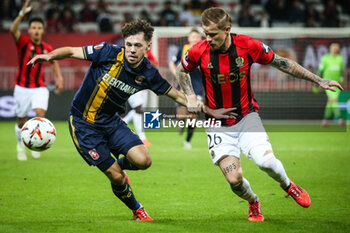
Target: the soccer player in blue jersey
(97, 131)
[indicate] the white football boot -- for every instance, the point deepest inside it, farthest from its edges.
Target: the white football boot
(187, 145)
(35, 154)
(21, 154)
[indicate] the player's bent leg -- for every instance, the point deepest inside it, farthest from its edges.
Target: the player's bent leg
(263, 156)
(139, 156)
(122, 189)
(232, 170)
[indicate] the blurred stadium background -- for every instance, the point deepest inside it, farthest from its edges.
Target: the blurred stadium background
(300, 30)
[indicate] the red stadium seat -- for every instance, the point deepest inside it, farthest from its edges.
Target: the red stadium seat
(152, 5)
(122, 4)
(232, 5)
(137, 4)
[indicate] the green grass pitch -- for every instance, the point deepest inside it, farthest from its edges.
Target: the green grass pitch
(182, 190)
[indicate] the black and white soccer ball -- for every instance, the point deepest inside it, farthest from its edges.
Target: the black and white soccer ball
(38, 134)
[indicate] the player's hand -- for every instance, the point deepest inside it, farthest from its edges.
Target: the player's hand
(38, 59)
(329, 84)
(26, 8)
(194, 105)
(221, 113)
(59, 86)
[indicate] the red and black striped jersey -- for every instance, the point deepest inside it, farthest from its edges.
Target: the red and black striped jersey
(28, 76)
(226, 75)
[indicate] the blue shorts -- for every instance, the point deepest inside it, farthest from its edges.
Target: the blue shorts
(95, 143)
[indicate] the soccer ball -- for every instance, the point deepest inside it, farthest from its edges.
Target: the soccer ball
(38, 134)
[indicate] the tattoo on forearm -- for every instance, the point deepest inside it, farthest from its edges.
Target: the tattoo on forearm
(280, 62)
(293, 68)
(229, 168)
(184, 80)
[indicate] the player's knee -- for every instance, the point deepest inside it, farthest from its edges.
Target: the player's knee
(40, 112)
(20, 124)
(145, 163)
(138, 109)
(235, 179)
(261, 154)
(21, 121)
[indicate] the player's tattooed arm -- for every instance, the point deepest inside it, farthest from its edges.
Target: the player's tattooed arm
(183, 78)
(291, 67)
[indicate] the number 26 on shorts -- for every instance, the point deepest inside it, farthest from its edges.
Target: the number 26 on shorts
(214, 140)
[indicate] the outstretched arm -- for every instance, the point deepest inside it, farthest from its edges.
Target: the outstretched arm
(58, 54)
(14, 27)
(183, 78)
(291, 67)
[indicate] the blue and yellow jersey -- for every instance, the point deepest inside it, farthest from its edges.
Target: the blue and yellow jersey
(109, 83)
(195, 75)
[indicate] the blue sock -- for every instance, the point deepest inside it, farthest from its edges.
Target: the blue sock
(190, 130)
(125, 194)
(125, 164)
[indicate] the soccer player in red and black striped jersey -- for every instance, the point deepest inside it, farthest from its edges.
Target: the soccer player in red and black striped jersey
(225, 60)
(30, 90)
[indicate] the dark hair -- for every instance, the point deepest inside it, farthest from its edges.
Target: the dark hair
(216, 15)
(36, 19)
(137, 26)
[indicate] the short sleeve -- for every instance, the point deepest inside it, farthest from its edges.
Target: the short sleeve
(101, 52)
(159, 85)
(190, 60)
(260, 52)
(22, 41)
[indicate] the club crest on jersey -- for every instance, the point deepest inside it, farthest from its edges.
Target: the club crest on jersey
(210, 66)
(94, 155)
(239, 61)
(99, 46)
(265, 48)
(139, 79)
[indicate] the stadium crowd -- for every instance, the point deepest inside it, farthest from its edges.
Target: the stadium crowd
(67, 16)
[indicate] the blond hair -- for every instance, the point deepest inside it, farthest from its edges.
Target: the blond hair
(218, 16)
